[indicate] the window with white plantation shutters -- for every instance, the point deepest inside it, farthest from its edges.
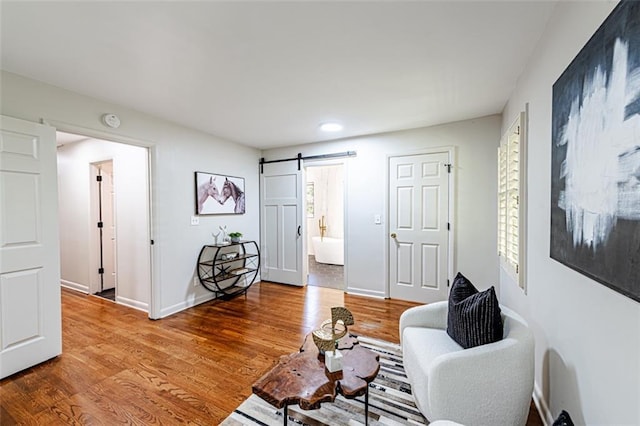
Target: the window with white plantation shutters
(510, 198)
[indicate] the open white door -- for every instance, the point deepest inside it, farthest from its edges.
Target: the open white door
(419, 227)
(30, 322)
(108, 231)
(281, 224)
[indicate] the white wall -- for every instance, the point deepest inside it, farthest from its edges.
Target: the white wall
(587, 335)
(476, 142)
(78, 231)
(176, 153)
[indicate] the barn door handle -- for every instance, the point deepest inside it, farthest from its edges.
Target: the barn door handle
(299, 231)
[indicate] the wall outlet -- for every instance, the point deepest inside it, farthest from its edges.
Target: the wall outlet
(196, 281)
(195, 220)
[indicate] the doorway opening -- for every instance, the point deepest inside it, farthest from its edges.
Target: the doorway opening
(325, 230)
(104, 206)
(102, 182)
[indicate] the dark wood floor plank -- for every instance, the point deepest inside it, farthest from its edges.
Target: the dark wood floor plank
(194, 367)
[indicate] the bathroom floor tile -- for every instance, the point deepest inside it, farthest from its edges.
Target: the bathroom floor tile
(323, 275)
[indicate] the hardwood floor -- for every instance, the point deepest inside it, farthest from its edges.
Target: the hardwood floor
(193, 367)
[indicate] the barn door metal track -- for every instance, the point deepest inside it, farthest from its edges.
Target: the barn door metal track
(299, 158)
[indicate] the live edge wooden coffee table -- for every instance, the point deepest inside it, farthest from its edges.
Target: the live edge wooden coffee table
(301, 378)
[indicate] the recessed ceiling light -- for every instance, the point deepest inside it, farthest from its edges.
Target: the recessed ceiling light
(331, 127)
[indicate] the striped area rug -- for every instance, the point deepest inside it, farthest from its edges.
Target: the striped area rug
(390, 400)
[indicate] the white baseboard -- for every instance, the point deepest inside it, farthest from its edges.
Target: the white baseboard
(75, 286)
(541, 405)
(165, 312)
(365, 292)
(190, 303)
(135, 304)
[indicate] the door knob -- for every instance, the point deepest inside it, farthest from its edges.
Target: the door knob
(393, 235)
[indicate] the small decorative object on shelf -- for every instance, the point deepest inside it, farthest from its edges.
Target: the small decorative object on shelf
(229, 269)
(235, 236)
(224, 238)
(215, 236)
(229, 256)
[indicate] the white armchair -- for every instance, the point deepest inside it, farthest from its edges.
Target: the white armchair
(489, 384)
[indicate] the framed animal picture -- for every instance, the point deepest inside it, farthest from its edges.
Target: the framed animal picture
(219, 194)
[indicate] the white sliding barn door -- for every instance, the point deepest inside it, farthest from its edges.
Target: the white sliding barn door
(30, 322)
(418, 227)
(281, 223)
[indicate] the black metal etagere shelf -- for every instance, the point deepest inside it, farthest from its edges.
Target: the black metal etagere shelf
(229, 269)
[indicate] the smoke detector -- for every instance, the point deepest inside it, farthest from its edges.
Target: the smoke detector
(111, 120)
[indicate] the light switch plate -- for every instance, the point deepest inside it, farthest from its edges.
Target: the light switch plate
(377, 219)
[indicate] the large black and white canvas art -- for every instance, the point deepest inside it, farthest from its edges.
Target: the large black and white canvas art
(595, 171)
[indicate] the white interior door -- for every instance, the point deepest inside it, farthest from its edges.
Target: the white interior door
(107, 197)
(418, 227)
(281, 232)
(30, 322)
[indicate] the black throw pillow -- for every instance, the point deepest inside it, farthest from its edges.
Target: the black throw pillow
(474, 317)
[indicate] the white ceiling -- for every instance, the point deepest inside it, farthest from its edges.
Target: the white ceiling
(266, 74)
